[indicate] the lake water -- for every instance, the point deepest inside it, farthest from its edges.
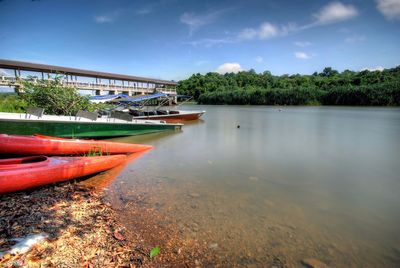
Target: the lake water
(290, 183)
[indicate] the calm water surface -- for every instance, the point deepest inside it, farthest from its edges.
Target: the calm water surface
(289, 184)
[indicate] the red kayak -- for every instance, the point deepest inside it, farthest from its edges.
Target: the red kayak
(28, 172)
(45, 145)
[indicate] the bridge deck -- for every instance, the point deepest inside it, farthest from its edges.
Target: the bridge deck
(130, 84)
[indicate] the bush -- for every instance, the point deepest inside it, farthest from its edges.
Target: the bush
(54, 97)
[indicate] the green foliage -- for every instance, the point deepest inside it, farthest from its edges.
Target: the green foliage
(328, 87)
(12, 103)
(262, 97)
(95, 151)
(154, 252)
(54, 97)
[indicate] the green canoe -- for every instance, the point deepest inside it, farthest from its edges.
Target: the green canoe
(78, 127)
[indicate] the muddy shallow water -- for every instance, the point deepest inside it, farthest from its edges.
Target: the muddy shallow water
(290, 183)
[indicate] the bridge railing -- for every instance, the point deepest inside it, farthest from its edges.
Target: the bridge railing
(11, 80)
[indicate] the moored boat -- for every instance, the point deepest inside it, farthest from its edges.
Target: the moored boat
(29, 172)
(46, 145)
(137, 107)
(79, 126)
(172, 116)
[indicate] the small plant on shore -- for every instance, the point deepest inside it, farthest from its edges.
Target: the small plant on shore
(154, 252)
(96, 151)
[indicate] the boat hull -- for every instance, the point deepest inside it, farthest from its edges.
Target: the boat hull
(174, 118)
(29, 172)
(79, 129)
(38, 144)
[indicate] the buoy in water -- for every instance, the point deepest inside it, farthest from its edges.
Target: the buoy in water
(238, 126)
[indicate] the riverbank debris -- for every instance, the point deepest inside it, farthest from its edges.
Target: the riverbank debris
(69, 225)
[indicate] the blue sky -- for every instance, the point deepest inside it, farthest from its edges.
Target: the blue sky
(171, 39)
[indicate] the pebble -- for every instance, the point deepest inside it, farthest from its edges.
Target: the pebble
(195, 227)
(313, 263)
(213, 246)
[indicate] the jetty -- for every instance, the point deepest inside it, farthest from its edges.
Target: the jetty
(101, 83)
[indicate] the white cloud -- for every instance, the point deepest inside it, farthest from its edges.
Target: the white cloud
(109, 17)
(355, 39)
(331, 13)
(209, 42)
(259, 59)
(104, 19)
(335, 12)
(247, 34)
(196, 21)
(143, 11)
(302, 56)
(228, 67)
(302, 43)
(290, 27)
(389, 8)
(377, 68)
(265, 31)
(113, 15)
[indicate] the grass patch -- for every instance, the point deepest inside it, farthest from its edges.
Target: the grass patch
(12, 103)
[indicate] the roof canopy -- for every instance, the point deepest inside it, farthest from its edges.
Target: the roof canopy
(28, 66)
(144, 98)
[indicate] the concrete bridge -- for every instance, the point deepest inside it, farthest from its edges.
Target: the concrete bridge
(100, 82)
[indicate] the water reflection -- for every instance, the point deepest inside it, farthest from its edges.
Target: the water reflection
(102, 180)
(300, 182)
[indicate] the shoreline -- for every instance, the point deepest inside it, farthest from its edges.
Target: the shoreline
(83, 230)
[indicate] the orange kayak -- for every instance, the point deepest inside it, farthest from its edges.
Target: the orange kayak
(29, 172)
(45, 145)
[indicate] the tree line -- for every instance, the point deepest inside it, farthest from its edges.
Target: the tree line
(328, 87)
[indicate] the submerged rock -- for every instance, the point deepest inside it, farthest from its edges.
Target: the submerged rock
(253, 178)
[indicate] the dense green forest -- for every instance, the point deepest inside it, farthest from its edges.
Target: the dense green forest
(329, 87)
